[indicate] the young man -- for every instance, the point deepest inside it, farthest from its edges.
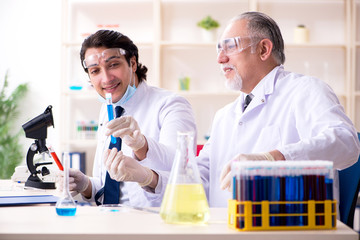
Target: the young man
(148, 125)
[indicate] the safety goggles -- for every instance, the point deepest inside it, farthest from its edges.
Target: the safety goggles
(107, 55)
(234, 45)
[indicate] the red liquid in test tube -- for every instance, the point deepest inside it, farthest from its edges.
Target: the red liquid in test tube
(56, 159)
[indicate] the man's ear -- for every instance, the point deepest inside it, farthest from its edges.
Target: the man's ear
(133, 64)
(265, 47)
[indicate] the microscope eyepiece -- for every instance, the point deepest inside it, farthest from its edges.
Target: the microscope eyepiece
(36, 128)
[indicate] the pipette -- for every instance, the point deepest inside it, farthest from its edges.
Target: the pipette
(110, 110)
(55, 157)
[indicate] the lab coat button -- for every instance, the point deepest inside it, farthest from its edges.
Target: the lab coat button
(240, 123)
(262, 100)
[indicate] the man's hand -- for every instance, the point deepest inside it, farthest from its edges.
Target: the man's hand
(128, 130)
(124, 168)
(225, 177)
(77, 180)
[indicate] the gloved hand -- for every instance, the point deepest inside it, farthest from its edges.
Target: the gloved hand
(225, 177)
(124, 168)
(77, 180)
(128, 130)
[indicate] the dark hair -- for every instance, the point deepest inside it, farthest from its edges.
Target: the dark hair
(261, 25)
(113, 39)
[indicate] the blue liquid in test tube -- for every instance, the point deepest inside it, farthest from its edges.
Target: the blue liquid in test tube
(110, 111)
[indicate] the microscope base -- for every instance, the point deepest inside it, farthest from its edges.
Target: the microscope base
(35, 182)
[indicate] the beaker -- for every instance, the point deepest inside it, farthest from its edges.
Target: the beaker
(66, 205)
(185, 200)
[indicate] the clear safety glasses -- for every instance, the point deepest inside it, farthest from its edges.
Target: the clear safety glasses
(106, 55)
(234, 45)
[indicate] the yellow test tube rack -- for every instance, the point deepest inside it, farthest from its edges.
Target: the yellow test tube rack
(241, 215)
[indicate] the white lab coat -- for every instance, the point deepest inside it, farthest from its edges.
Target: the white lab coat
(160, 114)
(298, 115)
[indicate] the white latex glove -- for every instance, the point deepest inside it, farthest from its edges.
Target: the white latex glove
(77, 180)
(225, 177)
(128, 130)
(125, 168)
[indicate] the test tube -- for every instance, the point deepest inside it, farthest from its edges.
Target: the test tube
(56, 159)
(110, 110)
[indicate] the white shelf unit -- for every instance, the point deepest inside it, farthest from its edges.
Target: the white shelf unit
(170, 45)
(356, 61)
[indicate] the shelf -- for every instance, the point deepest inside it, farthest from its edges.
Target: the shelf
(110, 1)
(187, 44)
(207, 94)
(83, 94)
(92, 94)
(301, 1)
(315, 45)
(85, 18)
(201, 1)
(78, 44)
(80, 142)
(213, 44)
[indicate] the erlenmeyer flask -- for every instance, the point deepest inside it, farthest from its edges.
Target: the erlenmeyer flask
(66, 205)
(185, 200)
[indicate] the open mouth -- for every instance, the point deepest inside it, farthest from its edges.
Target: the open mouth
(226, 69)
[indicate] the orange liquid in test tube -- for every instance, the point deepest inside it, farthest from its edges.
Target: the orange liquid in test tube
(56, 159)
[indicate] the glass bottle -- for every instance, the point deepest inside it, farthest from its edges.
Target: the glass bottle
(66, 205)
(185, 200)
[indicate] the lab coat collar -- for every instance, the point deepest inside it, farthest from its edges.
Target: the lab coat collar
(262, 89)
(266, 85)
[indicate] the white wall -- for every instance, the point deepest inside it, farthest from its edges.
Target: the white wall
(30, 49)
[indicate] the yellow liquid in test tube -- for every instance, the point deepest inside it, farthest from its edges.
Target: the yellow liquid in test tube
(185, 204)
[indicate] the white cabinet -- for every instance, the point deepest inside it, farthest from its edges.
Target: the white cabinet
(171, 46)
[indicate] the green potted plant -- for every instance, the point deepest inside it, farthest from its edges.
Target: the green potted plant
(10, 149)
(209, 26)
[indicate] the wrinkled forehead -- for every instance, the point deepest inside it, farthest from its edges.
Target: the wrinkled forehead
(235, 28)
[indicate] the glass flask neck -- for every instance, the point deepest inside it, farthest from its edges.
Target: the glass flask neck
(185, 147)
(66, 164)
(184, 169)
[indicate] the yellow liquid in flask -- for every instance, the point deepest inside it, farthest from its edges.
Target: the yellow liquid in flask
(185, 204)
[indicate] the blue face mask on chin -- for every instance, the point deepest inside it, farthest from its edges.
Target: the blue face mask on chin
(130, 91)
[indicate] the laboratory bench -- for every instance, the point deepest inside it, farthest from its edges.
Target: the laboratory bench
(40, 221)
(91, 222)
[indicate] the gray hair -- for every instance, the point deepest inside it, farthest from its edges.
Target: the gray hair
(262, 26)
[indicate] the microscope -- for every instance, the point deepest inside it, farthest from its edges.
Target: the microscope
(37, 129)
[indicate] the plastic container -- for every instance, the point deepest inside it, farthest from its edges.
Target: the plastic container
(301, 34)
